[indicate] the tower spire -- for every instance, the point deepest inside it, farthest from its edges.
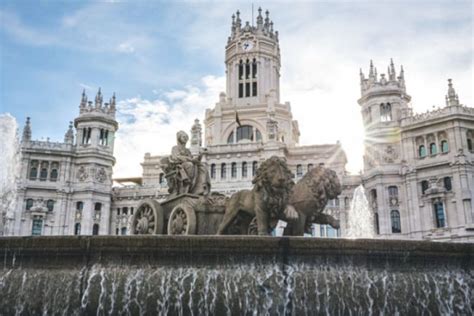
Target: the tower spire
(392, 73)
(98, 99)
(259, 19)
(69, 136)
(26, 137)
(452, 98)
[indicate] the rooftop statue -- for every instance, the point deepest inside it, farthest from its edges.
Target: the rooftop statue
(185, 173)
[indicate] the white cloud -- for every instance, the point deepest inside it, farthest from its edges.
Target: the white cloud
(151, 125)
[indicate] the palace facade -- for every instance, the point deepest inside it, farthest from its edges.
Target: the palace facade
(418, 168)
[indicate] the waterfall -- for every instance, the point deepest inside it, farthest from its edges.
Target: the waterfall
(360, 223)
(9, 169)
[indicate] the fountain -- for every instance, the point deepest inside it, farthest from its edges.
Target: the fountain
(360, 219)
(9, 165)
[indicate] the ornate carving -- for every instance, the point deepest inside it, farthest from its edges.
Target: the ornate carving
(101, 175)
(82, 174)
(390, 154)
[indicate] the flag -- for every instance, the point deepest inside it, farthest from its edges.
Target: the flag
(237, 118)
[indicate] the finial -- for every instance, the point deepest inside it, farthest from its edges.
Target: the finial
(83, 99)
(98, 99)
(371, 69)
(271, 26)
(453, 98)
(392, 73)
(259, 18)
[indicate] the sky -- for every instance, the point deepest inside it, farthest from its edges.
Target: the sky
(165, 62)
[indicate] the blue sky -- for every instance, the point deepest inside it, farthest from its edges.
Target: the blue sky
(165, 61)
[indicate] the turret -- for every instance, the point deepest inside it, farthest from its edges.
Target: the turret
(69, 136)
(96, 124)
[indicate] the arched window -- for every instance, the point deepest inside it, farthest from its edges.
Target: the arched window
(223, 171)
(53, 175)
(393, 192)
(433, 149)
(86, 135)
(254, 69)
(213, 171)
(79, 205)
(97, 206)
(233, 170)
(377, 225)
(424, 186)
(33, 170)
(310, 166)
(50, 205)
(439, 214)
(373, 197)
(254, 168)
(103, 137)
(241, 70)
(125, 210)
(395, 217)
(299, 170)
(29, 204)
(444, 146)
(245, 132)
(244, 169)
(230, 139)
(95, 229)
(385, 112)
(123, 231)
(447, 183)
(44, 171)
(421, 151)
(77, 229)
(162, 178)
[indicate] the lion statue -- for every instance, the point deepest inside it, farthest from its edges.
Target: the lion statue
(310, 196)
(267, 200)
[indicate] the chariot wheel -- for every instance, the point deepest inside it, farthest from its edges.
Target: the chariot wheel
(182, 220)
(148, 219)
(253, 227)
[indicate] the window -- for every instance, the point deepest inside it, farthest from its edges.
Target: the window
(447, 183)
(254, 89)
(95, 229)
(393, 192)
(247, 89)
(241, 70)
(233, 170)
(373, 197)
(421, 151)
(213, 171)
(395, 217)
(125, 210)
(299, 170)
(424, 186)
(53, 175)
(439, 214)
(29, 204)
(37, 226)
(258, 135)
(103, 137)
(469, 144)
(118, 211)
(377, 225)
(346, 202)
(116, 231)
(247, 70)
(310, 166)
(86, 135)
(44, 171)
(247, 78)
(241, 90)
(223, 171)
(131, 211)
(385, 112)
(444, 146)
(79, 205)
(33, 170)
(245, 132)
(244, 169)
(254, 168)
(254, 69)
(77, 229)
(97, 206)
(50, 205)
(123, 231)
(433, 150)
(162, 179)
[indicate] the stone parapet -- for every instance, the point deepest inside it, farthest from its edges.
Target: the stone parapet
(440, 113)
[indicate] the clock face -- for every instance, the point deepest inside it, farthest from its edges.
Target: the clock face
(247, 45)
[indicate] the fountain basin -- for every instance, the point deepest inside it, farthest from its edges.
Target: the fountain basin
(233, 275)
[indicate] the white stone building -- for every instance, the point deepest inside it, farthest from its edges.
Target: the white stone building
(66, 188)
(417, 167)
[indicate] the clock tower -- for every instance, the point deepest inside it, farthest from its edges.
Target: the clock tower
(252, 57)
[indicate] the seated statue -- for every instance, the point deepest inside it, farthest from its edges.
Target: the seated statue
(185, 173)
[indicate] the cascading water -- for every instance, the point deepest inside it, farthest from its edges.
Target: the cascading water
(9, 165)
(360, 219)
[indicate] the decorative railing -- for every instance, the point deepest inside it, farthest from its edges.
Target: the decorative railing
(438, 113)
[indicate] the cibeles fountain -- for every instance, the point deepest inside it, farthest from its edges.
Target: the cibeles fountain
(202, 253)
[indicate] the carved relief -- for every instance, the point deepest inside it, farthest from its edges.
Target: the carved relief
(82, 174)
(390, 154)
(101, 175)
